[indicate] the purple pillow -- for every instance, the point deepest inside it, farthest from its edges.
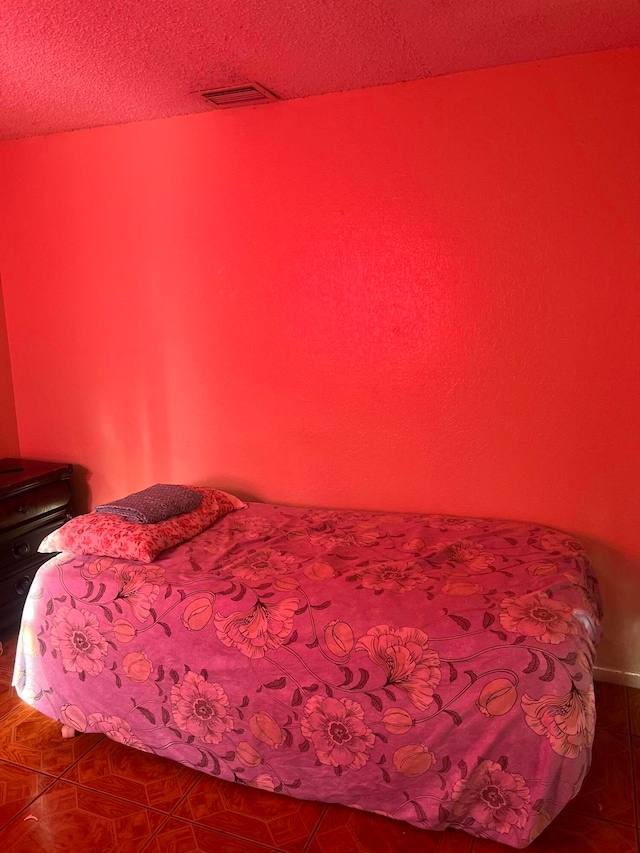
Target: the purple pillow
(157, 503)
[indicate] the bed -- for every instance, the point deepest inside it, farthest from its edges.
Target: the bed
(434, 669)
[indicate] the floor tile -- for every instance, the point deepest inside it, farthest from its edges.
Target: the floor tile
(9, 700)
(178, 836)
(568, 835)
(18, 787)
(634, 710)
(7, 659)
(30, 739)
(607, 791)
(141, 777)
(344, 830)
(68, 818)
(611, 706)
(256, 815)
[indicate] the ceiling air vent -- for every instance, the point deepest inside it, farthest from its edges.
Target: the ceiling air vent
(249, 95)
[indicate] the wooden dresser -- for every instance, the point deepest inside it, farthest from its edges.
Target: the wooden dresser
(35, 499)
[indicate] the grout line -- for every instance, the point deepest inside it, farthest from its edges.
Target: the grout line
(600, 818)
(79, 758)
(13, 711)
(184, 797)
(270, 847)
(315, 828)
(5, 716)
(597, 818)
(153, 835)
(56, 777)
(111, 796)
(166, 815)
(54, 782)
(4, 760)
(194, 822)
(30, 803)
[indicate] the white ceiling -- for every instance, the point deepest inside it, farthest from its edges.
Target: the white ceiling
(69, 64)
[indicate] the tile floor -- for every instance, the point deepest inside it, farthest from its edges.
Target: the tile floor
(90, 795)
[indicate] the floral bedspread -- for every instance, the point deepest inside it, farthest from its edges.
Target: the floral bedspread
(437, 670)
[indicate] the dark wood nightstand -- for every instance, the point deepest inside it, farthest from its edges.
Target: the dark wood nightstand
(35, 499)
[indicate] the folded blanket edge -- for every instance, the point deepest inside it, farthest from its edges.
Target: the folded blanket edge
(154, 504)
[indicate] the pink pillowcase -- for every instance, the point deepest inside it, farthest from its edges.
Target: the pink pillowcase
(112, 536)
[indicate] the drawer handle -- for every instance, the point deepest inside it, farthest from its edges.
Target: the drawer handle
(23, 509)
(21, 549)
(23, 585)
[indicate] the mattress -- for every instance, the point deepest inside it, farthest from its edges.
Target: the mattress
(434, 669)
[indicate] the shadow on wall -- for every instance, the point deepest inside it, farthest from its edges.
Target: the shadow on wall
(80, 489)
(619, 577)
(234, 487)
(83, 494)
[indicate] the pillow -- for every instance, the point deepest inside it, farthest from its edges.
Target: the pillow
(111, 536)
(157, 503)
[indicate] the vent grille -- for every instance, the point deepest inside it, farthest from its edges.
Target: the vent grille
(239, 96)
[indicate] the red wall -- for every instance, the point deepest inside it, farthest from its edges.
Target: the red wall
(8, 425)
(422, 296)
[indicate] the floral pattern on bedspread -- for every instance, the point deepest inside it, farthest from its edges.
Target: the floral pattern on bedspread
(434, 669)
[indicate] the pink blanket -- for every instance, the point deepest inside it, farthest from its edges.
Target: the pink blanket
(437, 670)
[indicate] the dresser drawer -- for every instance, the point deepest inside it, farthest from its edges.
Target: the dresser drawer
(32, 503)
(14, 586)
(21, 546)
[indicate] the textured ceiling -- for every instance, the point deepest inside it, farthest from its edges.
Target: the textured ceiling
(69, 64)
